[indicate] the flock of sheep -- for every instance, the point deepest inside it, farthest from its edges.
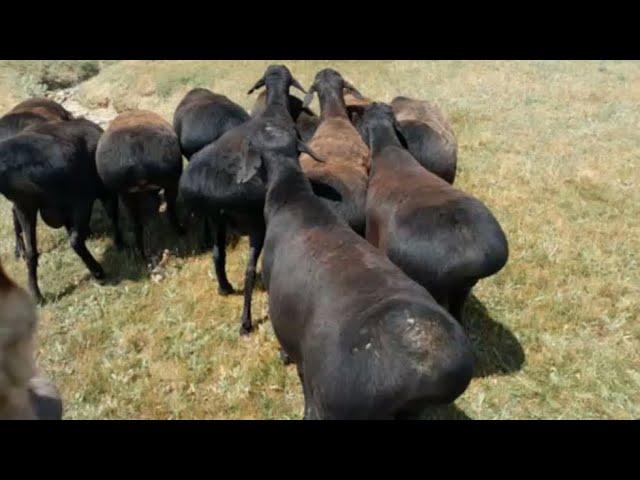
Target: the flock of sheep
(369, 252)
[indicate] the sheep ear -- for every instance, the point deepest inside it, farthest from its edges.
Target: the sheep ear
(353, 90)
(296, 84)
(250, 163)
(259, 84)
(308, 98)
(399, 134)
(4, 279)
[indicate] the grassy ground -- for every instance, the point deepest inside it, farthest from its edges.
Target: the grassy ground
(552, 148)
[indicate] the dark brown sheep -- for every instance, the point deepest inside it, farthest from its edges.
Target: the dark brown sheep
(441, 237)
(31, 112)
(139, 155)
(428, 135)
(45, 107)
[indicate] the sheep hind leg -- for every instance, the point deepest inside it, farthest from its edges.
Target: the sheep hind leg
(19, 251)
(171, 196)
(27, 217)
(207, 241)
(256, 241)
(219, 254)
(110, 204)
(310, 410)
(133, 203)
(78, 233)
(284, 357)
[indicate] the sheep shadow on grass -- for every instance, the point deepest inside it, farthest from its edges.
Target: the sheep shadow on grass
(443, 412)
(126, 264)
(496, 349)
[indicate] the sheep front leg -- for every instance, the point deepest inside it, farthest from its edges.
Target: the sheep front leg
(219, 230)
(171, 196)
(110, 203)
(78, 234)
(256, 242)
(133, 203)
(17, 229)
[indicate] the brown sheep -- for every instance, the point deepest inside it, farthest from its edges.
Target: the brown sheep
(31, 112)
(428, 136)
(342, 180)
(44, 107)
(24, 394)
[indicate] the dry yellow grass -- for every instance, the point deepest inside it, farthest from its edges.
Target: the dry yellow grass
(551, 147)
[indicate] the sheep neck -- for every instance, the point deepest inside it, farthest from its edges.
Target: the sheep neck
(332, 104)
(381, 137)
(285, 181)
(277, 99)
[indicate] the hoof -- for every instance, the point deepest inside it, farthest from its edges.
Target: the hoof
(284, 356)
(39, 299)
(244, 330)
(99, 274)
(225, 290)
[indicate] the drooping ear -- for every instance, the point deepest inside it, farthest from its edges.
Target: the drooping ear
(355, 113)
(250, 163)
(5, 281)
(304, 148)
(308, 98)
(399, 134)
(363, 126)
(353, 90)
(295, 83)
(259, 84)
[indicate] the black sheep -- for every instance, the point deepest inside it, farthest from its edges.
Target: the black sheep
(368, 341)
(50, 168)
(208, 185)
(202, 117)
(306, 121)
